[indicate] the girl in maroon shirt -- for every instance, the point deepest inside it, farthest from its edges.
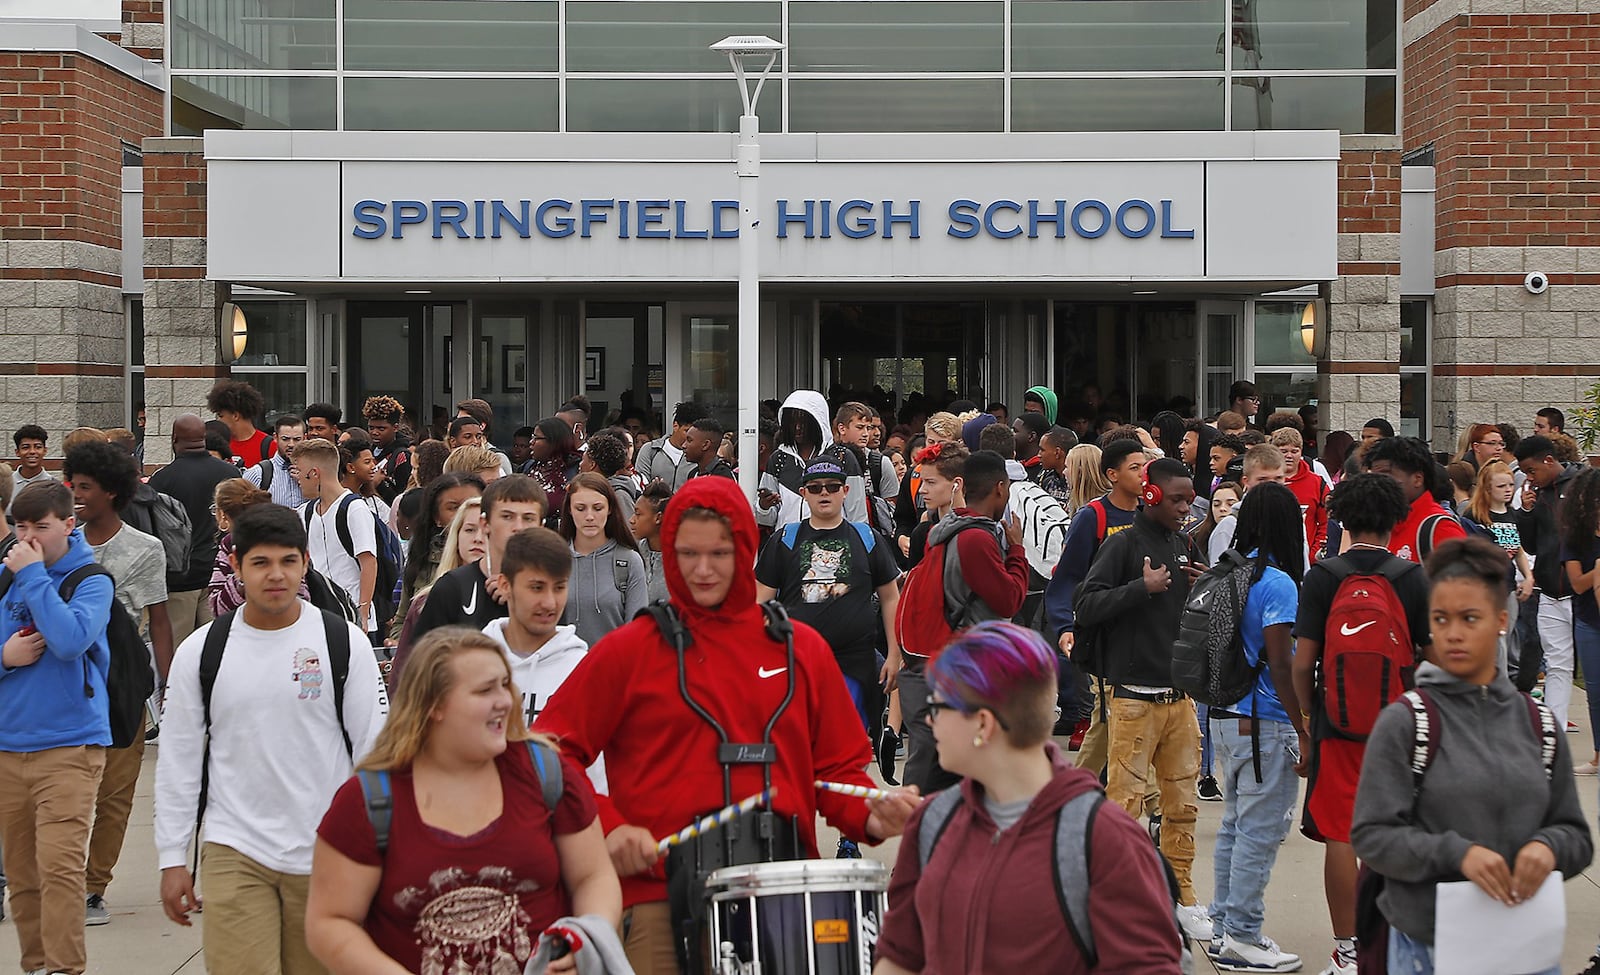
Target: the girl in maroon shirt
(477, 864)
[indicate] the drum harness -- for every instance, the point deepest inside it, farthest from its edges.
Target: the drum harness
(761, 836)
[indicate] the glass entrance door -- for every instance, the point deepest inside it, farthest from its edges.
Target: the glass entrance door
(623, 359)
(1219, 352)
(887, 351)
(408, 350)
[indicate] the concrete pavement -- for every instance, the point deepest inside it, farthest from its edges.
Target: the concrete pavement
(141, 941)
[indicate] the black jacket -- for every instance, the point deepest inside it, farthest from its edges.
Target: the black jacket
(1137, 628)
(1541, 534)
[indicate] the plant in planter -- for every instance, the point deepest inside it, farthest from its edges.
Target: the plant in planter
(1584, 424)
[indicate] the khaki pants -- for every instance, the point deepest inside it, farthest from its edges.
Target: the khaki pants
(188, 611)
(1092, 753)
(255, 918)
(112, 807)
(1162, 740)
(46, 803)
(647, 939)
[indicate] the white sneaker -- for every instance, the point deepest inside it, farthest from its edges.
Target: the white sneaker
(1240, 956)
(1340, 963)
(1196, 922)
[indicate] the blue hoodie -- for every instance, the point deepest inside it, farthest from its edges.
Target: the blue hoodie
(44, 705)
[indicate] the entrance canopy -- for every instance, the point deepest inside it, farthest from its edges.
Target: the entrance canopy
(348, 209)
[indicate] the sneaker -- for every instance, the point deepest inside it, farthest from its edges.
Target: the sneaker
(1594, 964)
(1214, 948)
(848, 850)
(1196, 922)
(152, 734)
(1155, 829)
(1241, 956)
(1342, 962)
(1208, 789)
(1587, 768)
(94, 911)
(888, 755)
(1572, 729)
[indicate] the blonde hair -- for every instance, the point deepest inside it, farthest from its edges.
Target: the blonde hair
(430, 677)
(945, 425)
(1084, 476)
(319, 453)
(450, 557)
(467, 459)
(82, 435)
(7, 485)
(1286, 437)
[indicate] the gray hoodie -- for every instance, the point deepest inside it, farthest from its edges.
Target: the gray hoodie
(1485, 787)
(595, 604)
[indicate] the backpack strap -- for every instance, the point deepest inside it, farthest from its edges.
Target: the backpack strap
(341, 524)
(790, 532)
(216, 642)
(1544, 728)
(266, 467)
(936, 816)
(869, 538)
(547, 765)
(1102, 524)
(380, 805)
(337, 632)
(669, 623)
(1074, 825)
(619, 574)
(1425, 534)
(1425, 740)
(68, 586)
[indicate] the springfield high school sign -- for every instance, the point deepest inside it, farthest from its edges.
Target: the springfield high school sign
(352, 217)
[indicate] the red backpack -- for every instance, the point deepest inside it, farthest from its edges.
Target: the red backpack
(1367, 652)
(924, 621)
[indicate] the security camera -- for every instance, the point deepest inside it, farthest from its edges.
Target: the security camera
(1537, 282)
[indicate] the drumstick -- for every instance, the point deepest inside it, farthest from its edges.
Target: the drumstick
(721, 817)
(859, 791)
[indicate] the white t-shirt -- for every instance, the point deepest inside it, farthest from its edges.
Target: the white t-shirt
(328, 554)
(277, 756)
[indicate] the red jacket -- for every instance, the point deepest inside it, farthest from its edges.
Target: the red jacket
(1312, 492)
(661, 758)
(1403, 540)
(988, 903)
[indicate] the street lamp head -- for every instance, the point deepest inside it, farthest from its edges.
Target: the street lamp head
(747, 44)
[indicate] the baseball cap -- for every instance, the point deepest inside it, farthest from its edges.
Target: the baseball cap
(822, 469)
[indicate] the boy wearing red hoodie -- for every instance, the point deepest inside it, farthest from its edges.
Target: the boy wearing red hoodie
(662, 757)
(1308, 486)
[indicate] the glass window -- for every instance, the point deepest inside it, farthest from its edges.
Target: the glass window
(285, 392)
(1116, 35)
(631, 36)
(902, 36)
(1285, 391)
(686, 105)
(287, 36)
(237, 102)
(277, 333)
(1352, 105)
(500, 369)
(1413, 405)
(1414, 332)
(713, 366)
(451, 104)
(934, 105)
(449, 35)
(1116, 105)
(1300, 34)
(1279, 341)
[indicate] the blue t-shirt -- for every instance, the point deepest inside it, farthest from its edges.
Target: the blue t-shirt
(1272, 600)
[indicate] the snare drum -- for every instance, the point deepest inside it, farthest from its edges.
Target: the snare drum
(801, 917)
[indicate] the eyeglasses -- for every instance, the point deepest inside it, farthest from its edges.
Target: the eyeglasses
(1496, 444)
(832, 487)
(1251, 399)
(934, 707)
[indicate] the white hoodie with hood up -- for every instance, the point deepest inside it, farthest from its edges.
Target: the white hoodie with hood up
(539, 674)
(791, 506)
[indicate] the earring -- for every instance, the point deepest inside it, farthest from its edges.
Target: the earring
(977, 741)
(1502, 632)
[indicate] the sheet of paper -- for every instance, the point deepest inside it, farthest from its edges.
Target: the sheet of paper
(1474, 934)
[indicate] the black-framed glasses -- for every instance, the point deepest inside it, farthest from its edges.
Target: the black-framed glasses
(934, 707)
(832, 487)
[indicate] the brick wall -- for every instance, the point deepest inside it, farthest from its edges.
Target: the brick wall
(143, 29)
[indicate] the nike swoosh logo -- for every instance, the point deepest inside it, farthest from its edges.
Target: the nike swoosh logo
(1345, 629)
(764, 672)
(471, 605)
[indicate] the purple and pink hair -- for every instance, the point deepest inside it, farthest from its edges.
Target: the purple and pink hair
(988, 665)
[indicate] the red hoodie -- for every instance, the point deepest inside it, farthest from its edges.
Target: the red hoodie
(1312, 492)
(988, 902)
(661, 758)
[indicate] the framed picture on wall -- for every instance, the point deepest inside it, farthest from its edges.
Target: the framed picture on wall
(594, 367)
(514, 369)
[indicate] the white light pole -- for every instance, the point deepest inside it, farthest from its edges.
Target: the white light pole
(739, 49)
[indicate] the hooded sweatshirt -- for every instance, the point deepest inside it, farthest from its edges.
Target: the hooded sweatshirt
(1541, 534)
(785, 466)
(595, 604)
(1312, 492)
(623, 700)
(988, 901)
(541, 672)
(1486, 787)
(59, 700)
(1047, 396)
(981, 572)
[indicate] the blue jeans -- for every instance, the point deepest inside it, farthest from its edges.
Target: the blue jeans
(1408, 957)
(1255, 819)
(1587, 640)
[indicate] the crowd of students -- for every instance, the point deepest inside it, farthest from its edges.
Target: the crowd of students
(465, 630)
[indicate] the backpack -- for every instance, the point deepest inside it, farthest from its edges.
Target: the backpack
(1430, 526)
(328, 597)
(790, 532)
(375, 789)
(337, 633)
(619, 575)
(130, 681)
(1088, 652)
(1367, 650)
(1372, 928)
(391, 554)
(879, 511)
(1074, 826)
(925, 620)
(265, 467)
(1208, 659)
(165, 518)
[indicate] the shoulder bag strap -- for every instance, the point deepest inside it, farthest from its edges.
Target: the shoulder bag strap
(1074, 828)
(337, 632)
(547, 765)
(380, 805)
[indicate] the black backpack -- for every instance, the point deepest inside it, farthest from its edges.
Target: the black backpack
(1208, 659)
(390, 556)
(130, 681)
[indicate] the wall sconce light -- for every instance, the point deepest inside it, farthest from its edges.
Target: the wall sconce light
(233, 333)
(1314, 327)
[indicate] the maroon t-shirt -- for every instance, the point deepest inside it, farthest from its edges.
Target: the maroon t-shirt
(468, 901)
